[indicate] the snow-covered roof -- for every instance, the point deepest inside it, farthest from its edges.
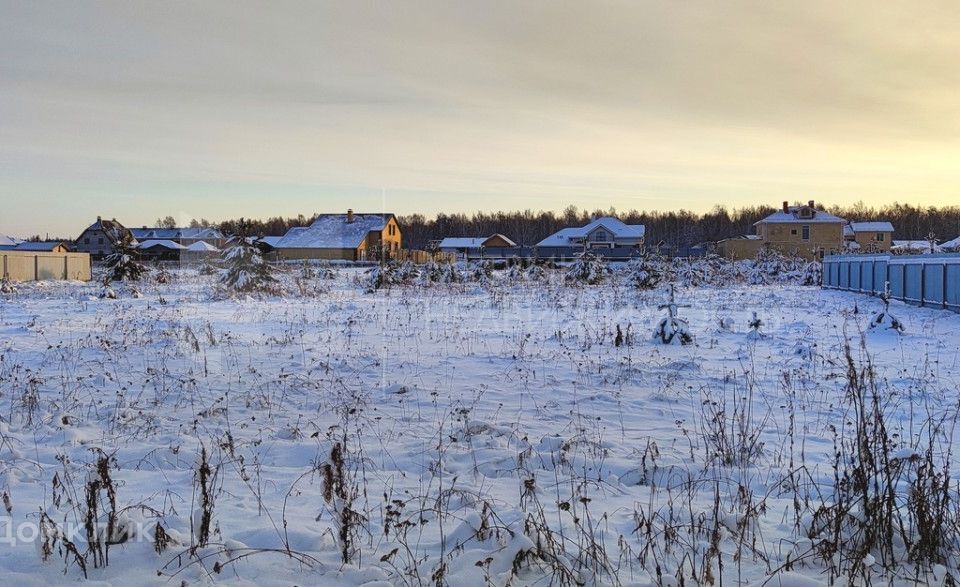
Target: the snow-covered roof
(914, 245)
(563, 237)
(792, 215)
(951, 245)
(871, 227)
(332, 231)
(113, 229)
(37, 246)
(163, 243)
(460, 242)
(7, 241)
(199, 232)
(271, 240)
(202, 247)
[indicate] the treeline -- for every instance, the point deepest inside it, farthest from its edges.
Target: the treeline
(680, 228)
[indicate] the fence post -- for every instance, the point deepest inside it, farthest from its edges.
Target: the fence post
(923, 283)
(36, 267)
(944, 298)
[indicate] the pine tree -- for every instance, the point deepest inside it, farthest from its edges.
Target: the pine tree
(247, 271)
(672, 328)
(122, 264)
(588, 268)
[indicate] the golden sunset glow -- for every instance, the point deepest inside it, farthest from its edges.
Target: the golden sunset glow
(220, 109)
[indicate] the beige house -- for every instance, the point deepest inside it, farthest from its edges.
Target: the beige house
(793, 230)
(740, 247)
(350, 237)
(869, 237)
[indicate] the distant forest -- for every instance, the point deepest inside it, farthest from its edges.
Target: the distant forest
(673, 228)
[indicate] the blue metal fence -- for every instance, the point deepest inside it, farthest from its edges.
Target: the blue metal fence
(927, 280)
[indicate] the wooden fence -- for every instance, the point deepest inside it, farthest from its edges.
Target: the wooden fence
(36, 266)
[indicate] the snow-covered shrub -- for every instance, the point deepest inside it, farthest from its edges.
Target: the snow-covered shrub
(122, 264)
(672, 329)
(884, 319)
(380, 277)
(481, 271)
(107, 292)
(434, 272)
(208, 268)
(162, 276)
(589, 268)
(6, 286)
(755, 323)
(812, 273)
(247, 271)
(647, 271)
(325, 271)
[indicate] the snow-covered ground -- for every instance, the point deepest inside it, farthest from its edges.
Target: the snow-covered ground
(456, 434)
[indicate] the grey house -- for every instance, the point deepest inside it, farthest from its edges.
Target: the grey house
(100, 238)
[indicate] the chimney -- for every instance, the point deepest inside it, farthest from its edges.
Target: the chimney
(98, 219)
(786, 207)
(350, 216)
(810, 203)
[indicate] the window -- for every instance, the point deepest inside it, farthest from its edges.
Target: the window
(794, 232)
(880, 237)
(806, 233)
(86, 241)
(100, 241)
(600, 236)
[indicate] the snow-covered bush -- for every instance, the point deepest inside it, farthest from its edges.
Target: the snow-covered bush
(647, 271)
(380, 277)
(589, 269)
(6, 286)
(247, 271)
(672, 329)
(122, 264)
(481, 271)
(325, 271)
(434, 272)
(812, 273)
(755, 323)
(884, 319)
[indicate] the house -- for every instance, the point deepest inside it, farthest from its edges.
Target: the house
(40, 247)
(100, 238)
(802, 230)
(470, 247)
(603, 233)
(351, 237)
(745, 246)
(869, 237)
(7, 241)
(183, 236)
(951, 246)
(161, 250)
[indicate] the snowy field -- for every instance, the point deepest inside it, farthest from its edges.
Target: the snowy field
(472, 434)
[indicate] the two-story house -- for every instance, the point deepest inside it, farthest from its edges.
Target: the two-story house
(802, 230)
(351, 236)
(603, 233)
(100, 238)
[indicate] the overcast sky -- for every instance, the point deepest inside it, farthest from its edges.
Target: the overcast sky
(136, 110)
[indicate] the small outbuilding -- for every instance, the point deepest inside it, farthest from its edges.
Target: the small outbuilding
(161, 250)
(473, 247)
